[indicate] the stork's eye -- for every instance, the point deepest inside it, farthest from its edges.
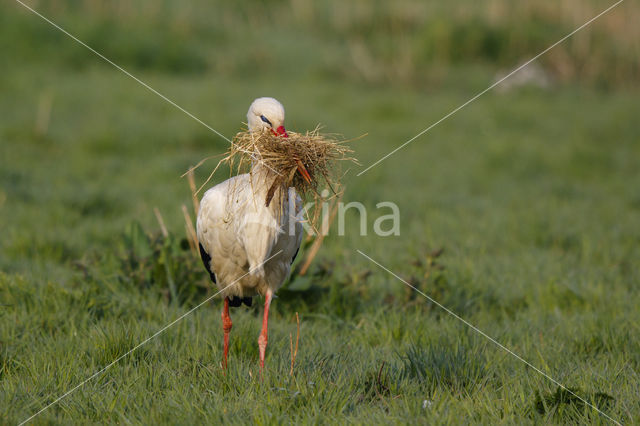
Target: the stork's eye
(266, 120)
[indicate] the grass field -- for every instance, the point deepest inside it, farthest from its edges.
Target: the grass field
(532, 195)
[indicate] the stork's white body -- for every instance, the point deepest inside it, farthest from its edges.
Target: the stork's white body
(239, 232)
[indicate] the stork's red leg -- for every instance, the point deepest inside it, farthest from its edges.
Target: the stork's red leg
(262, 340)
(226, 327)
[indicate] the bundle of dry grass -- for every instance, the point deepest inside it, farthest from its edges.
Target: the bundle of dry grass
(302, 161)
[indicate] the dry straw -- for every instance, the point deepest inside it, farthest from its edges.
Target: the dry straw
(319, 154)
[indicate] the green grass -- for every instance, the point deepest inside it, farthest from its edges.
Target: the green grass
(531, 194)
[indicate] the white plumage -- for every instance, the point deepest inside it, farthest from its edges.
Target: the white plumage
(247, 247)
(240, 233)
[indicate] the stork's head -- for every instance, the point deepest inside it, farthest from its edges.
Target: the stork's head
(266, 114)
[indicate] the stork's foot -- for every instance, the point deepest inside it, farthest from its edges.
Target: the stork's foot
(262, 345)
(226, 327)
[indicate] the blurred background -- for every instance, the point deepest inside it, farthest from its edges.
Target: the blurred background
(82, 142)
(532, 191)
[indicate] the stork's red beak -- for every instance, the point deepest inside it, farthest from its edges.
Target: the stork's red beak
(280, 131)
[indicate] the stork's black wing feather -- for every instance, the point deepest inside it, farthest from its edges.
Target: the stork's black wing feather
(293, 259)
(206, 259)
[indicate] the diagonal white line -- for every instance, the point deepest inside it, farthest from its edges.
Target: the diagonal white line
(500, 345)
(125, 71)
(491, 87)
(143, 342)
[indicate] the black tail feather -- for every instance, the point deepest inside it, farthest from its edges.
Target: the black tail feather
(236, 301)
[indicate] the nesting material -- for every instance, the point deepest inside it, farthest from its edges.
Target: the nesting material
(320, 155)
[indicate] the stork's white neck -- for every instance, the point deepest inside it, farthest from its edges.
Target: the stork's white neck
(263, 180)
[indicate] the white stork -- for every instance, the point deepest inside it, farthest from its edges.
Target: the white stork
(247, 246)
